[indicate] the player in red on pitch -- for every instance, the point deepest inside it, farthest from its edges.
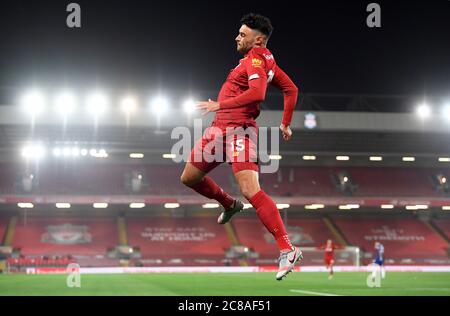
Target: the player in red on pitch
(238, 105)
(329, 248)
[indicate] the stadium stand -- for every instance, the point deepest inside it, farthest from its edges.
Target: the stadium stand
(86, 240)
(199, 241)
(113, 179)
(3, 225)
(290, 181)
(303, 231)
(407, 241)
(8, 174)
(443, 225)
(393, 182)
(178, 241)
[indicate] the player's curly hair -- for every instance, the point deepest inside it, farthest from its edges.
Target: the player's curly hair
(258, 22)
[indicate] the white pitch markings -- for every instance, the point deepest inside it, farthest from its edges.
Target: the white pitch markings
(314, 293)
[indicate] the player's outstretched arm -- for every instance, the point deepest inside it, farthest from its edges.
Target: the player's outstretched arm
(290, 95)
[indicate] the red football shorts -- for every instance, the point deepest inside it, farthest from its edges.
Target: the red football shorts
(227, 142)
(329, 261)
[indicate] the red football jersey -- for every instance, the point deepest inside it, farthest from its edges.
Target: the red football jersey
(246, 85)
(329, 251)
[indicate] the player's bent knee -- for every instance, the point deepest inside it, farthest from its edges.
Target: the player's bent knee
(248, 193)
(248, 183)
(186, 180)
(189, 180)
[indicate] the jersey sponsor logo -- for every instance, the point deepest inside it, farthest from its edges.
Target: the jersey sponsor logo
(254, 76)
(270, 76)
(256, 62)
(268, 57)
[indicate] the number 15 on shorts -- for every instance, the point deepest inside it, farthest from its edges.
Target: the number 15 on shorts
(239, 145)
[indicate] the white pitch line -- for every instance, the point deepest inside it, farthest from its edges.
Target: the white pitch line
(314, 293)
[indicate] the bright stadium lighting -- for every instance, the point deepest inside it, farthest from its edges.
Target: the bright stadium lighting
(353, 206)
(423, 111)
(314, 206)
(247, 206)
(387, 206)
(344, 207)
(345, 179)
(100, 205)
(25, 205)
(171, 205)
(137, 155)
(409, 159)
(97, 103)
(169, 156)
(33, 102)
(33, 151)
(282, 206)
(128, 105)
(56, 152)
(62, 205)
(415, 207)
(65, 103)
(137, 205)
(210, 205)
(342, 158)
(84, 152)
(159, 105)
(306, 157)
(376, 158)
(444, 159)
(66, 151)
(275, 157)
(189, 106)
(75, 152)
(102, 153)
(446, 111)
(446, 208)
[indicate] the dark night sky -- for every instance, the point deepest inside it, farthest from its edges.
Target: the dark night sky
(325, 46)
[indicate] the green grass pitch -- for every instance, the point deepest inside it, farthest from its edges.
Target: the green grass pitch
(227, 284)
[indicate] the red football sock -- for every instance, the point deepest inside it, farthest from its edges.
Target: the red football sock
(269, 215)
(208, 188)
